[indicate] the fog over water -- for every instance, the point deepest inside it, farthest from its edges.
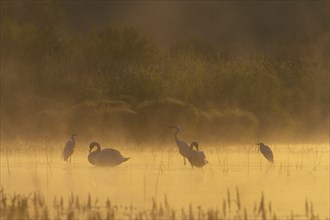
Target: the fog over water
(123, 73)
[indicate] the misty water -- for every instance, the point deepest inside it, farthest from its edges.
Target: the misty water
(121, 72)
(300, 173)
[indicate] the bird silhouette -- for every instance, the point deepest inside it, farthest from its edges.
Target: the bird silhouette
(69, 148)
(106, 157)
(183, 146)
(196, 158)
(266, 151)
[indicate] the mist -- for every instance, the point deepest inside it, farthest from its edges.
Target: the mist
(228, 72)
(164, 110)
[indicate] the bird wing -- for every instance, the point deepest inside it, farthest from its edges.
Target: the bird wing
(111, 153)
(267, 152)
(106, 157)
(68, 149)
(200, 155)
(197, 158)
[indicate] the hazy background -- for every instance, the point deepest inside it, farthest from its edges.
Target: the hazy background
(225, 72)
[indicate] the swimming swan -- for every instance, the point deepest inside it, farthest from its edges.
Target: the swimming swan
(106, 157)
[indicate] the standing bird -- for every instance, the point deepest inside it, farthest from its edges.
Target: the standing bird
(69, 148)
(266, 151)
(106, 157)
(183, 146)
(196, 158)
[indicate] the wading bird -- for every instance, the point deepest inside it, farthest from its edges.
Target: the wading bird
(183, 146)
(196, 158)
(106, 157)
(266, 151)
(69, 148)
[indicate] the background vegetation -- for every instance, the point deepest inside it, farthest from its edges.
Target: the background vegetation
(115, 81)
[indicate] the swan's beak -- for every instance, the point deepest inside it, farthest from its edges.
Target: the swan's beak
(90, 149)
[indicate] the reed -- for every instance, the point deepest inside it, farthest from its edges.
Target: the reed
(19, 206)
(8, 167)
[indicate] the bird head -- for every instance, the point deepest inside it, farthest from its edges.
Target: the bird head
(175, 127)
(260, 144)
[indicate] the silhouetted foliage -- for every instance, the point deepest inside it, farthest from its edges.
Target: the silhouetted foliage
(55, 80)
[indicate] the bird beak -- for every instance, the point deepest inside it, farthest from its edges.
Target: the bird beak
(90, 149)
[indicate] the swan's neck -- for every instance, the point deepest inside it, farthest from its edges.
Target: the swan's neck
(192, 145)
(73, 140)
(98, 148)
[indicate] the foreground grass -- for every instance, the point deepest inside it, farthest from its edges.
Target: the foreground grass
(33, 206)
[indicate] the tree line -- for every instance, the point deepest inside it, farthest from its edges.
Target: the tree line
(49, 70)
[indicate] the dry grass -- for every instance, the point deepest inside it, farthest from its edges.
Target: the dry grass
(33, 206)
(237, 184)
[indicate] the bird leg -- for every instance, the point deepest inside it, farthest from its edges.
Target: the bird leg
(184, 161)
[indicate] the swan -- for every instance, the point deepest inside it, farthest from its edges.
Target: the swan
(69, 148)
(196, 158)
(106, 157)
(266, 151)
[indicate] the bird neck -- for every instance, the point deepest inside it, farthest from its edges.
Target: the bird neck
(176, 134)
(72, 138)
(192, 145)
(94, 144)
(98, 147)
(176, 137)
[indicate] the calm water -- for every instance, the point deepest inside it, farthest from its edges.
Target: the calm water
(299, 173)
